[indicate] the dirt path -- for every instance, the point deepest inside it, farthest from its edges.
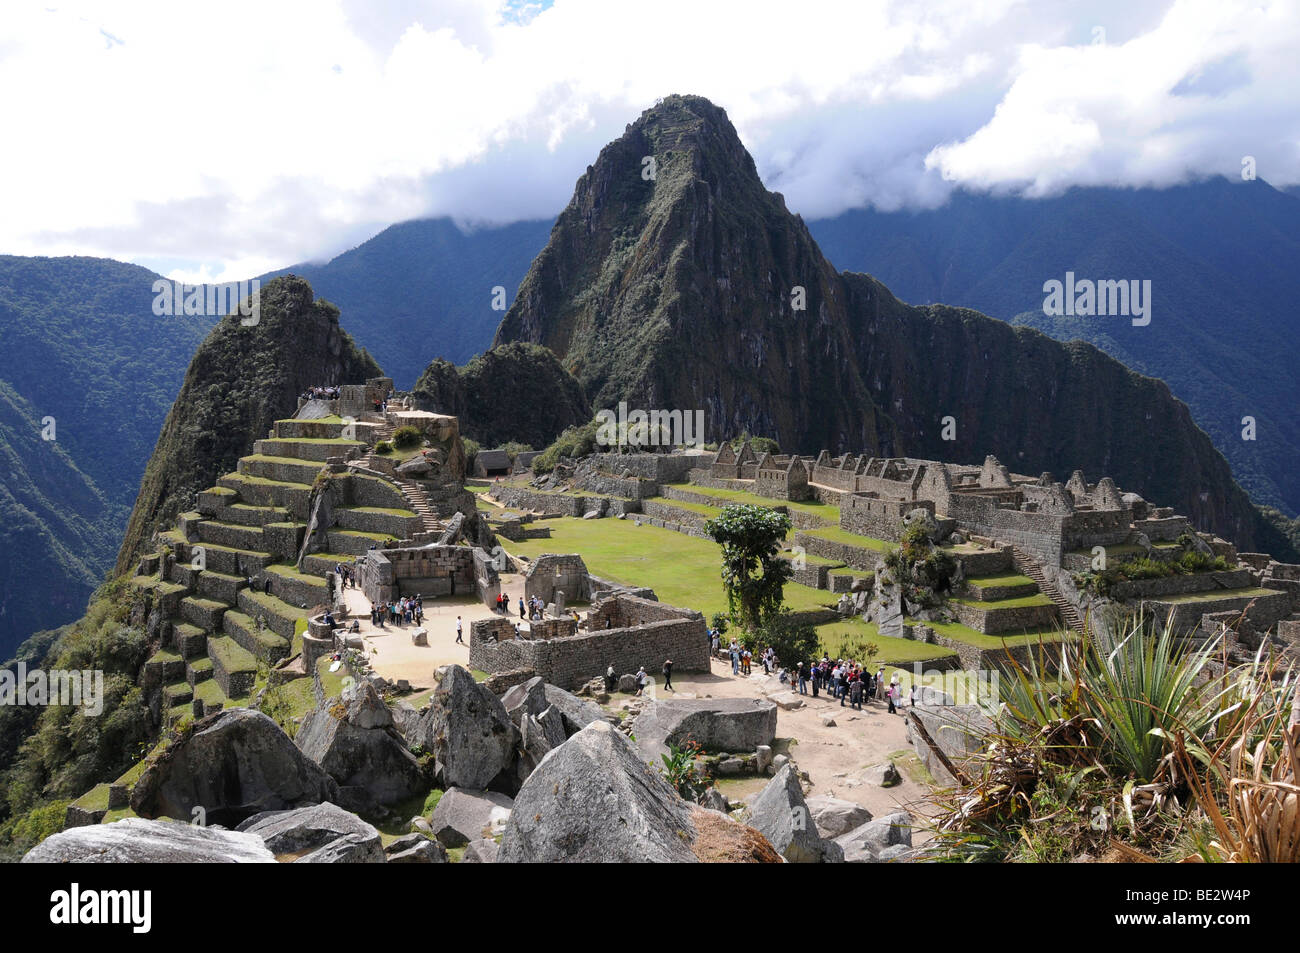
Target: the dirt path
(833, 757)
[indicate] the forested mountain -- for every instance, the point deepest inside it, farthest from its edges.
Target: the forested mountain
(1220, 257)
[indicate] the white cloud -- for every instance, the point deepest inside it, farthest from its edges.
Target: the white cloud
(229, 138)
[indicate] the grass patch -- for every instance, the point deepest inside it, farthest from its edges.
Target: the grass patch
(682, 570)
(824, 510)
(892, 650)
(835, 534)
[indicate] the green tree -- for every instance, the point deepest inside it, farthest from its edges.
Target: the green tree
(753, 573)
(792, 641)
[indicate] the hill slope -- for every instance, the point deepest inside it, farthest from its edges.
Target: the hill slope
(240, 381)
(82, 345)
(677, 292)
(1220, 257)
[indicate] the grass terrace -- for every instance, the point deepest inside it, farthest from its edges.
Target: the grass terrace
(824, 510)
(893, 651)
(835, 534)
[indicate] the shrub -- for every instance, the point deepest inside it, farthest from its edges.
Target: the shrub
(407, 437)
(383, 446)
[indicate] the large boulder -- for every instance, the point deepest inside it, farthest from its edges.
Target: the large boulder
(593, 799)
(469, 733)
(957, 730)
(307, 829)
(136, 840)
(463, 816)
(231, 765)
(835, 816)
(349, 849)
(866, 844)
(359, 746)
(576, 713)
(526, 698)
(715, 724)
(780, 813)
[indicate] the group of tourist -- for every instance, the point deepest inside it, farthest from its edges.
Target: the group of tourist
(849, 681)
(330, 392)
(401, 611)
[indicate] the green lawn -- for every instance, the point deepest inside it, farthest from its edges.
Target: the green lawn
(682, 570)
(964, 633)
(1021, 602)
(991, 582)
(712, 512)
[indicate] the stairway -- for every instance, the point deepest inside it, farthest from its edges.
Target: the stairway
(1029, 567)
(419, 502)
(385, 432)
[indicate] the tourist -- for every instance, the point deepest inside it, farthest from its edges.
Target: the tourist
(521, 607)
(803, 677)
(459, 632)
(642, 680)
(880, 683)
(855, 692)
(816, 676)
(735, 658)
(668, 675)
(911, 696)
(890, 694)
(610, 679)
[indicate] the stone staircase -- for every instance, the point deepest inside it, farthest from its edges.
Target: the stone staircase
(1068, 610)
(419, 503)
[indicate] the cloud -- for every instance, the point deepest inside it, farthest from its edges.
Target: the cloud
(231, 138)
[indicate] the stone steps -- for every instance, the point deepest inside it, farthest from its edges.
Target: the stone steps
(225, 559)
(234, 668)
(178, 693)
(203, 613)
(306, 449)
(279, 616)
(247, 514)
(1069, 612)
(190, 640)
(279, 469)
(198, 670)
(220, 587)
(261, 643)
(231, 535)
(401, 524)
(354, 543)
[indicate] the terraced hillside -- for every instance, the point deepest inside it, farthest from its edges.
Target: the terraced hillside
(236, 578)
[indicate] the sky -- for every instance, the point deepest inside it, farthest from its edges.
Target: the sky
(220, 140)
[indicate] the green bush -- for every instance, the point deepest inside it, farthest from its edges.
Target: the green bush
(407, 437)
(383, 446)
(575, 442)
(471, 448)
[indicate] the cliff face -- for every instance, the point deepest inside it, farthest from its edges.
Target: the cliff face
(677, 292)
(514, 392)
(240, 381)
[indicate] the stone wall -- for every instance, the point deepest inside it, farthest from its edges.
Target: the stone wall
(878, 518)
(553, 571)
(430, 571)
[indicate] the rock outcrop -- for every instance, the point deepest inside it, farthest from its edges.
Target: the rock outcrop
(357, 743)
(715, 724)
(780, 813)
(594, 800)
(463, 816)
(307, 830)
(469, 733)
(230, 766)
(135, 840)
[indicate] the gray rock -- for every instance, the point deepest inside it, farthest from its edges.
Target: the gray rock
(415, 849)
(480, 852)
(958, 730)
(715, 800)
(780, 813)
(834, 816)
(306, 828)
(883, 775)
(715, 724)
(464, 815)
(594, 800)
(627, 683)
(762, 758)
(575, 713)
(787, 701)
(469, 733)
(232, 765)
(864, 844)
(363, 749)
(349, 849)
(135, 840)
(526, 698)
